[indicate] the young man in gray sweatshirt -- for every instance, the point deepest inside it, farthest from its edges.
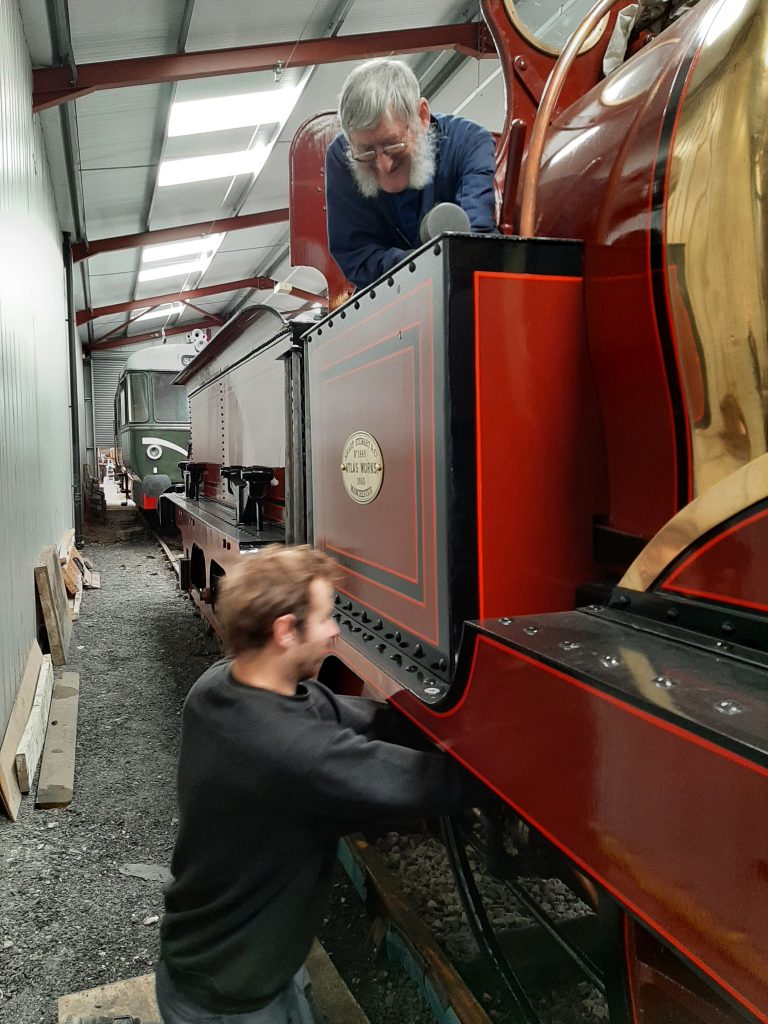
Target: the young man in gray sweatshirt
(273, 769)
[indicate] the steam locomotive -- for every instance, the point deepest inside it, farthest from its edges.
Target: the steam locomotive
(571, 415)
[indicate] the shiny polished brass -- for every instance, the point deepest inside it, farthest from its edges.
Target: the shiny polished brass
(740, 490)
(716, 235)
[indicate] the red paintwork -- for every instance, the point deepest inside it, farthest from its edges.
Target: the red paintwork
(309, 227)
(274, 504)
(628, 797)
(529, 341)
(610, 207)
(730, 568)
(575, 417)
(211, 484)
(148, 504)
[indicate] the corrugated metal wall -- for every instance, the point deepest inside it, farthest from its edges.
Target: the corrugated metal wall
(105, 376)
(35, 449)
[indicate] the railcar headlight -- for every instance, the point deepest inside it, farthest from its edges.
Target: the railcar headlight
(154, 451)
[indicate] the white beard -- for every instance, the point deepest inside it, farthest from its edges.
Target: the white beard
(423, 162)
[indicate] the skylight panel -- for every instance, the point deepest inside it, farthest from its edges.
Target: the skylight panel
(204, 168)
(174, 270)
(194, 117)
(207, 245)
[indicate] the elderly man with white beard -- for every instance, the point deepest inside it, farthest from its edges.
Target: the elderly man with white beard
(393, 163)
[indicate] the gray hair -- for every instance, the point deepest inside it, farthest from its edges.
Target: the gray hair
(376, 89)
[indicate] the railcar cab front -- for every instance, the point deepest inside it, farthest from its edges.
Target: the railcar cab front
(152, 422)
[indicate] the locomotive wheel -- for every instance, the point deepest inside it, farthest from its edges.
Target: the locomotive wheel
(528, 961)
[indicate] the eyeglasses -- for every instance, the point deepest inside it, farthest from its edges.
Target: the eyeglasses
(393, 149)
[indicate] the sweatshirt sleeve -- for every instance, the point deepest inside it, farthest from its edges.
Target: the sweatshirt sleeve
(358, 236)
(374, 719)
(353, 779)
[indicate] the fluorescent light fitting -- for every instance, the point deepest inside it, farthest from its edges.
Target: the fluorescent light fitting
(205, 246)
(246, 110)
(158, 311)
(174, 270)
(204, 168)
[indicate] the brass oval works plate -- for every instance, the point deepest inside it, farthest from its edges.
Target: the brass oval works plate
(362, 467)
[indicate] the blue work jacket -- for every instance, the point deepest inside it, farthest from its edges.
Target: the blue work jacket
(364, 235)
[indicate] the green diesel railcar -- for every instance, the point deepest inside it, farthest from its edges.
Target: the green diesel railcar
(152, 422)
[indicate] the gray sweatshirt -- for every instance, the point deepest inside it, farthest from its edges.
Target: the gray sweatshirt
(266, 785)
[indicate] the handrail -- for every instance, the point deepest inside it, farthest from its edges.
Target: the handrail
(549, 99)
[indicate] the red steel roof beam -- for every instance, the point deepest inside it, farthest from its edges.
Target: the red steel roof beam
(83, 250)
(52, 86)
(84, 316)
(135, 339)
(213, 317)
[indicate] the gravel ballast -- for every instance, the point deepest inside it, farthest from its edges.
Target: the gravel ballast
(70, 920)
(81, 887)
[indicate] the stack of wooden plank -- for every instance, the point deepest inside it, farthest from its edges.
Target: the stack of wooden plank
(40, 697)
(77, 573)
(43, 723)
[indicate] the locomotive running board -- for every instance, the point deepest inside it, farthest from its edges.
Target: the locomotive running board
(644, 759)
(221, 519)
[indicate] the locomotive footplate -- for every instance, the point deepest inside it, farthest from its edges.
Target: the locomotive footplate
(718, 696)
(222, 519)
(642, 758)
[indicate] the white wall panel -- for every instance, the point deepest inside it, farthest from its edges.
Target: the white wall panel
(35, 448)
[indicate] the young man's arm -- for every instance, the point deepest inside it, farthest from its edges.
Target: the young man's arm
(348, 778)
(374, 719)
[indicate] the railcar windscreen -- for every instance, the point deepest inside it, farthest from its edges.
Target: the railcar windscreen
(138, 410)
(169, 401)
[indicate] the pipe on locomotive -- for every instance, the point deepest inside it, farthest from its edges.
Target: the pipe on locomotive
(549, 98)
